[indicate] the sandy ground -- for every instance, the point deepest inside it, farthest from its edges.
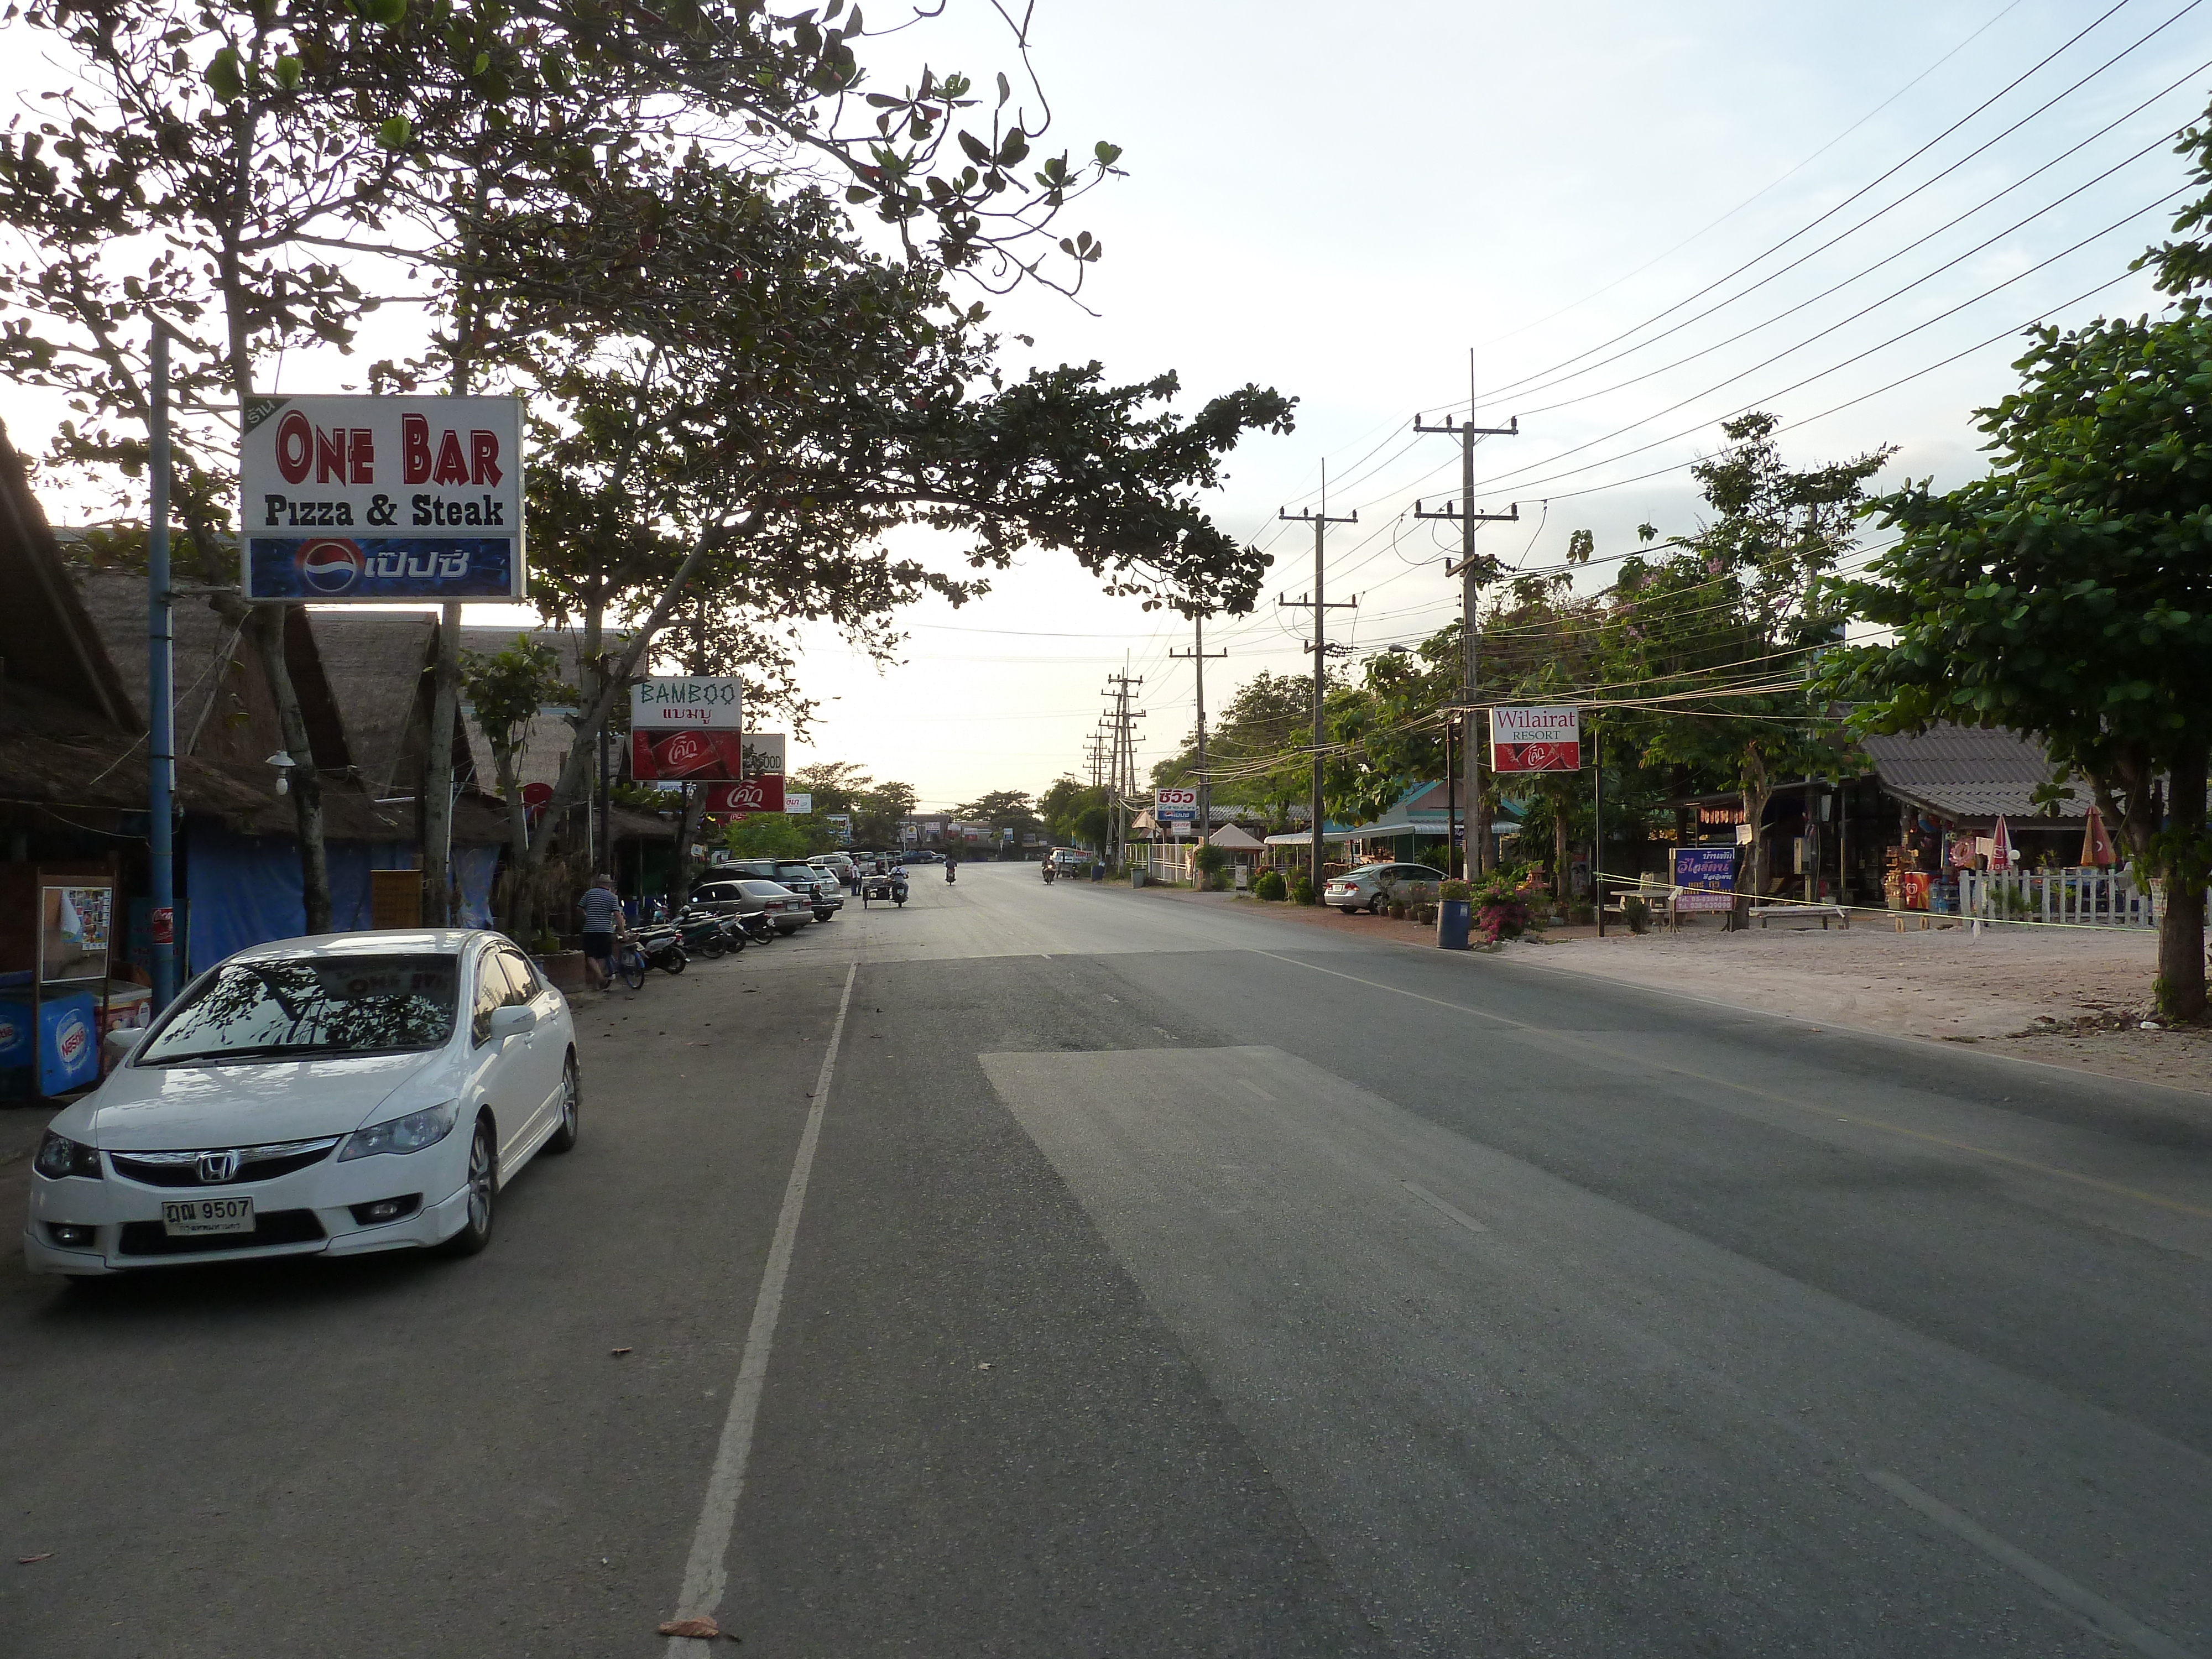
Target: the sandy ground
(2072, 996)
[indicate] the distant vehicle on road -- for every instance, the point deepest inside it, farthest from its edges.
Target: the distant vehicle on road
(1070, 860)
(751, 895)
(1372, 886)
(329, 1096)
(925, 855)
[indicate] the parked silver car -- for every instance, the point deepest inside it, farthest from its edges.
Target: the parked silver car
(748, 894)
(1373, 886)
(802, 876)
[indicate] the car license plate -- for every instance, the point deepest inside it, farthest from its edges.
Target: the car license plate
(184, 1218)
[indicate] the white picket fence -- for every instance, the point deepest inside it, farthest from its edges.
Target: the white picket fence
(2084, 897)
(1169, 861)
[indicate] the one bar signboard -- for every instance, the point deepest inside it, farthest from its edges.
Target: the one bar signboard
(1535, 740)
(351, 500)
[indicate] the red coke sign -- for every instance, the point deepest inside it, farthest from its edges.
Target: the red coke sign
(690, 756)
(762, 794)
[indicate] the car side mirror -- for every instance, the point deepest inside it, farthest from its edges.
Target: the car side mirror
(514, 1020)
(122, 1042)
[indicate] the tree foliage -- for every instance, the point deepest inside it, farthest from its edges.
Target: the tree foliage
(2068, 592)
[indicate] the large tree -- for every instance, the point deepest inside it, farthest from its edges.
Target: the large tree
(254, 178)
(2067, 593)
(1708, 645)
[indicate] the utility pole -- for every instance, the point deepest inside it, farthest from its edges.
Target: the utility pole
(1124, 765)
(1315, 601)
(1471, 575)
(1198, 653)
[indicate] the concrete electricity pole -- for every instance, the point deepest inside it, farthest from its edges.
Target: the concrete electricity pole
(1472, 575)
(1198, 653)
(1124, 769)
(1321, 522)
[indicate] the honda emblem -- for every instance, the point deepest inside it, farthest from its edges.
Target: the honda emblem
(215, 1168)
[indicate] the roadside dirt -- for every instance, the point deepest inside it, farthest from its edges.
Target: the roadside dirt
(2070, 997)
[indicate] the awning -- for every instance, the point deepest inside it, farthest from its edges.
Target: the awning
(1304, 837)
(1230, 839)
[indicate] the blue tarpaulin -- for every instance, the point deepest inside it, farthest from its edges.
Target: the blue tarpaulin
(245, 890)
(473, 870)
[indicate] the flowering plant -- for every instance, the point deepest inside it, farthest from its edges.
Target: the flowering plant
(1502, 902)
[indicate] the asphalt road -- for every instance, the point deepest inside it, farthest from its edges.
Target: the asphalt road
(1123, 1276)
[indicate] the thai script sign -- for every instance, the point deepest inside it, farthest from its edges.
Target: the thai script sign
(686, 754)
(1706, 876)
(1535, 740)
(360, 499)
(697, 701)
(1176, 805)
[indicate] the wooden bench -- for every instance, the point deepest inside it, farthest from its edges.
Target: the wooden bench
(1827, 913)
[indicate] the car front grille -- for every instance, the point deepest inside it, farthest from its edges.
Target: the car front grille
(277, 1227)
(182, 1168)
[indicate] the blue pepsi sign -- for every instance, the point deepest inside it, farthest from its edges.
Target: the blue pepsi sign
(334, 567)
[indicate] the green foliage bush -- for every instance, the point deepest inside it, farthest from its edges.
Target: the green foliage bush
(1302, 890)
(1271, 885)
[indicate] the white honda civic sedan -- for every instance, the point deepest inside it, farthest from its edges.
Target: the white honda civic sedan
(329, 1096)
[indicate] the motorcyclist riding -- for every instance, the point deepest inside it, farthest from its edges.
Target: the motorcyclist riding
(951, 864)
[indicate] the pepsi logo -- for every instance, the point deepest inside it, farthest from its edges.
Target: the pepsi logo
(330, 566)
(71, 1039)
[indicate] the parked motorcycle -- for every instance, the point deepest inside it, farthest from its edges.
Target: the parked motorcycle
(662, 947)
(707, 933)
(758, 928)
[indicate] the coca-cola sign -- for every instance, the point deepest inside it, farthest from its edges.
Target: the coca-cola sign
(761, 794)
(697, 756)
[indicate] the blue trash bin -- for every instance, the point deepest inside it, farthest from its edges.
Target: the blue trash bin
(1455, 923)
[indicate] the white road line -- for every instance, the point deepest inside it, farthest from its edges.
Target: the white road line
(1255, 1088)
(1438, 1205)
(706, 1572)
(2114, 1622)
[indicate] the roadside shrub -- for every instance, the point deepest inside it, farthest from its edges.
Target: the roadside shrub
(1302, 891)
(1456, 890)
(1636, 913)
(1271, 885)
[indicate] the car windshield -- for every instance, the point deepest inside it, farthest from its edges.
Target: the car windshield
(288, 1007)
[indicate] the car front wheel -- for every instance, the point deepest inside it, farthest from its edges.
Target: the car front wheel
(483, 1190)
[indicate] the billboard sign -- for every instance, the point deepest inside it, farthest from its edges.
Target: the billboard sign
(686, 702)
(689, 754)
(800, 802)
(352, 500)
(1707, 877)
(1176, 806)
(1535, 740)
(760, 794)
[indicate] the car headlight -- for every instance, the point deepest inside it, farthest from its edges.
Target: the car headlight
(59, 1156)
(410, 1133)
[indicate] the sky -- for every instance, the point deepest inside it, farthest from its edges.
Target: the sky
(1639, 220)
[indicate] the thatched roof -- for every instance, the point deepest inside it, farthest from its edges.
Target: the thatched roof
(45, 639)
(378, 664)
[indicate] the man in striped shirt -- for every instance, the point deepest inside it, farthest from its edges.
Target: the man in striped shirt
(603, 915)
